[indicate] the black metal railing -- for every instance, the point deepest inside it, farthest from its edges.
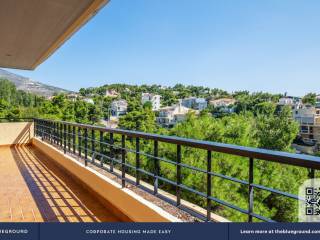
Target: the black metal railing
(76, 138)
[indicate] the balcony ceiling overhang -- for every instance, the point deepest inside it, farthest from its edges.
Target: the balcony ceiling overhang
(32, 30)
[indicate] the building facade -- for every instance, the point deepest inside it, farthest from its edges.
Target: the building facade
(308, 118)
(119, 108)
(222, 102)
(195, 103)
(293, 102)
(169, 116)
(153, 98)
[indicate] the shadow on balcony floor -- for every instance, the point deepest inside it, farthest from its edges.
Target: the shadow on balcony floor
(33, 189)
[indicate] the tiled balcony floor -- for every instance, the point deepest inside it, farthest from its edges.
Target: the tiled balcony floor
(33, 189)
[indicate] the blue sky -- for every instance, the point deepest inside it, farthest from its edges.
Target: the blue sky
(257, 45)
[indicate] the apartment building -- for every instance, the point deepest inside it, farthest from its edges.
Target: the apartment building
(169, 116)
(309, 119)
(293, 102)
(153, 98)
(119, 108)
(195, 103)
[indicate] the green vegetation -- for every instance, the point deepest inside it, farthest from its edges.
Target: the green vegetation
(255, 122)
(310, 98)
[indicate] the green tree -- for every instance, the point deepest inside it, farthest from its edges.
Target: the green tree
(276, 132)
(310, 98)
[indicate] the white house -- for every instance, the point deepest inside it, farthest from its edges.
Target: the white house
(222, 102)
(111, 93)
(72, 97)
(195, 103)
(286, 101)
(293, 102)
(171, 115)
(88, 100)
(153, 98)
(119, 108)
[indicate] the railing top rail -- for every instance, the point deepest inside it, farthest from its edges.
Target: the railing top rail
(301, 160)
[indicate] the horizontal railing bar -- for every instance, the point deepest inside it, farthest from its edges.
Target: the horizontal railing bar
(228, 205)
(145, 172)
(229, 178)
(293, 196)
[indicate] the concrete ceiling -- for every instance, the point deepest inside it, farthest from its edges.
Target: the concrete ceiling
(31, 30)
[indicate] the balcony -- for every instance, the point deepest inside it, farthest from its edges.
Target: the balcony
(38, 184)
(36, 190)
(61, 171)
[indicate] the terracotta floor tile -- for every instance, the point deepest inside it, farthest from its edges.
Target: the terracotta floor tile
(33, 189)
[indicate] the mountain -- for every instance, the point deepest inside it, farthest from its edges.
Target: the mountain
(28, 85)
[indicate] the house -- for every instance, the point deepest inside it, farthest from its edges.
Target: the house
(308, 118)
(119, 108)
(88, 100)
(222, 102)
(286, 101)
(293, 102)
(169, 116)
(318, 101)
(153, 98)
(195, 103)
(72, 97)
(111, 93)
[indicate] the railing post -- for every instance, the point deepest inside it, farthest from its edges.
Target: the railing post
(58, 133)
(61, 134)
(51, 132)
(250, 196)
(69, 138)
(156, 167)
(111, 152)
(55, 132)
(47, 130)
(209, 159)
(311, 173)
(79, 141)
(92, 144)
(123, 160)
(85, 146)
(44, 129)
(137, 161)
(34, 127)
(101, 148)
(74, 139)
(178, 189)
(65, 138)
(42, 132)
